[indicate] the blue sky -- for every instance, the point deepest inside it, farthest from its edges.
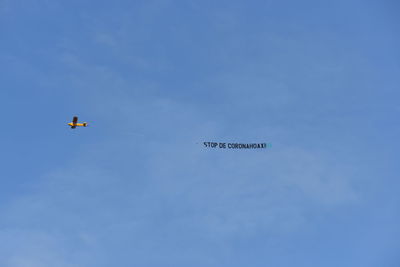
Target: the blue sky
(154, 79)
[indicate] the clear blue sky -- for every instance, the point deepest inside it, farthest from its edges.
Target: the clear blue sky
(154, 79)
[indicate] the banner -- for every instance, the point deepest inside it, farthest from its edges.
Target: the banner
(237, 145)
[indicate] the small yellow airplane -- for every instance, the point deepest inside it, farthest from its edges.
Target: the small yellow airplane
(75, 123)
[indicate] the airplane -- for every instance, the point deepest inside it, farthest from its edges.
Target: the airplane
(75, 123)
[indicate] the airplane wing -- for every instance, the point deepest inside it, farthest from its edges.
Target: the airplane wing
(75, 120)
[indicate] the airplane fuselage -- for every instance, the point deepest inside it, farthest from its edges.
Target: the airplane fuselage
(77, 124)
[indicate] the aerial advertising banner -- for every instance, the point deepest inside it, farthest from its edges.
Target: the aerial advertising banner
(237, 145)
